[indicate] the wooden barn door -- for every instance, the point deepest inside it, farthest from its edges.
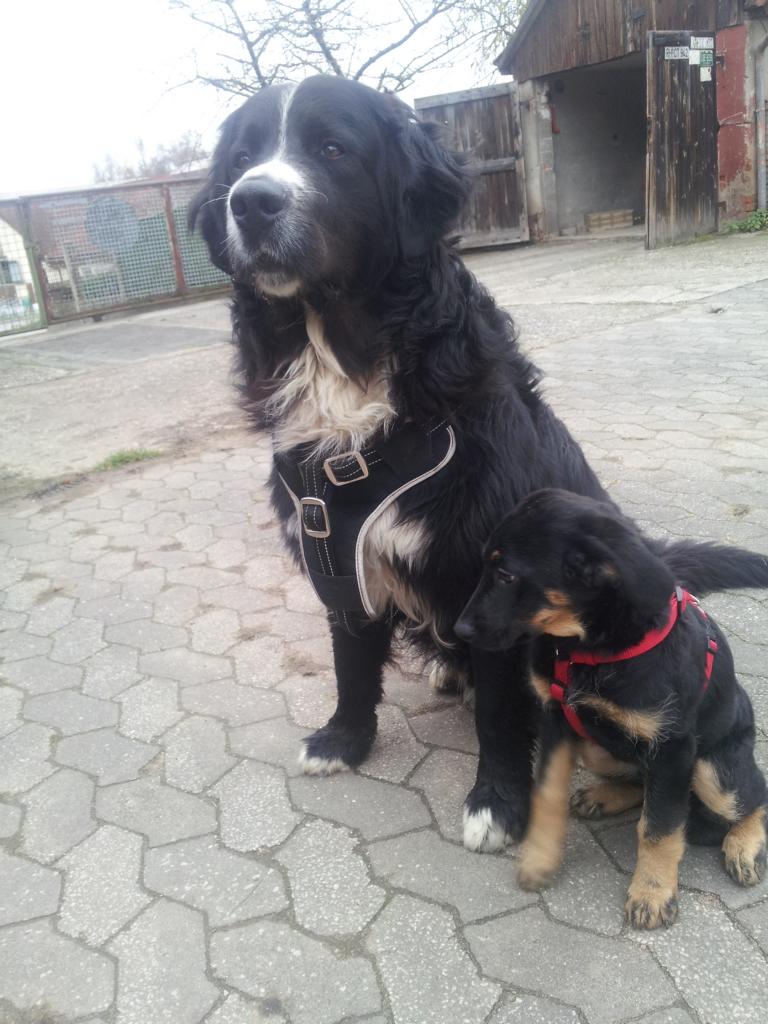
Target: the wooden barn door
(681, 180)
(485, 124)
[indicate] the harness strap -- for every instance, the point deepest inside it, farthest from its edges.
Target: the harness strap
(338, 498)
(679, 601)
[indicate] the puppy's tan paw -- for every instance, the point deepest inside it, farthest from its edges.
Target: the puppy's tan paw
(536, 868)
(585, 804)
(647, 909)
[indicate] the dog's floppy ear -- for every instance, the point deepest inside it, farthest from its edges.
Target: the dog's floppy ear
(208, 209)
(438, 186)
(590, 563)
(617, 559)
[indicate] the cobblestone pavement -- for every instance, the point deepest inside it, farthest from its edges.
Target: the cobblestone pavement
(162, 860)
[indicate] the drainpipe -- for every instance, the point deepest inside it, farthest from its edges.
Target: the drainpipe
(760, 140)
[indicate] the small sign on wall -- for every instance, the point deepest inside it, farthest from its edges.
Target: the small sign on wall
(702, 43)
(676, 52)
(705, 74)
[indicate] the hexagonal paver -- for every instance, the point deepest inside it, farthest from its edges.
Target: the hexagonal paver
(395, 752)
(429, 866)
(26, 890)
(107, 862)
(70, 712)
(332, 893)
(266, 958)
(187, 667)
(255, 810)
(311, 699)
(161, 813)
(236, 705)
(259, 662)
(149, 709)
(452, 727)
(276, 741)
(58, 815)
(195, 754)
(39, 675)
(18, 646)
(24, 758)
(375, 809)
(78, 641)
(111, 671)
(609, 979)
(445, 778)
(175, 606)
(10, 819)
(39, 967)
(162, 968)
(588, 890)
(50, 616)
(10, 706)
(146, 636)
(428, 976)
(105, 754)
(702, 937)
(113, 610)
(227, 886)
(216, 631)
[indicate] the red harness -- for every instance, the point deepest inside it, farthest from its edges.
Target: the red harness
(678, 602)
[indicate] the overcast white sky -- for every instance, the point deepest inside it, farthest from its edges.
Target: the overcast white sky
(83, 78)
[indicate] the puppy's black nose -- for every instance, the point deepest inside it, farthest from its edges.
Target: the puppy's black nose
(464, 630)
(257, 200)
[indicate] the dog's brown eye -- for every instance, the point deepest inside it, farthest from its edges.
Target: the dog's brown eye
(505, 577)
(331, 150)
(242, 160)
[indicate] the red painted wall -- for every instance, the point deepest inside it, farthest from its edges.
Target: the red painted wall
(736, 113)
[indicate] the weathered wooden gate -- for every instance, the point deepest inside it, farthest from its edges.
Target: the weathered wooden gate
(485, 124)
(681, 179)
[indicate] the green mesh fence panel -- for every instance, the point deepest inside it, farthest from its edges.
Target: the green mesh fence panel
(199, 272)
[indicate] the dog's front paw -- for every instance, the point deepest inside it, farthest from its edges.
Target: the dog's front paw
(336, 748)
(493, 817)
(585, 805)
(648, 908)
(744, 850)
(536, 867)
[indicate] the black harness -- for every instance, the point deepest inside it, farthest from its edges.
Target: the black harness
(338, 499)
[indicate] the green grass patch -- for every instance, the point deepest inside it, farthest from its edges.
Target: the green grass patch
(127, 457)
(756, 221)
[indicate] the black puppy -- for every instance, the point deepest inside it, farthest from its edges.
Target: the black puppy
(632, 675)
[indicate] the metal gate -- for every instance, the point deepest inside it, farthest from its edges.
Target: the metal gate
(485, 124)
(681, 179)
(87, 252)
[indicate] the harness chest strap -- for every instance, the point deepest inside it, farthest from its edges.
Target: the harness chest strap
(338, 498)
(678, 603)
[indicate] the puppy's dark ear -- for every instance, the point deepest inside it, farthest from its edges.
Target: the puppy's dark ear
(438, 188)
(208, 209)
(622, 563)
(589, 563)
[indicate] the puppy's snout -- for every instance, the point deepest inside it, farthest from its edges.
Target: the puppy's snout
(256, 202)
(464, 629)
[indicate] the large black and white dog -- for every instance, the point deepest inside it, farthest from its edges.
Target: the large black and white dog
(329, 206)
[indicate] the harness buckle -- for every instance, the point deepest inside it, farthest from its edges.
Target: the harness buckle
(315, 531)
(331, 468)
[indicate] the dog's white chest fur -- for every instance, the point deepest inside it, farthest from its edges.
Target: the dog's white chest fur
(319, 403)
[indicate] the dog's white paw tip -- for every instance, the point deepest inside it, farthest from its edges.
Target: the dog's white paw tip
(482, 834)
(312, 765)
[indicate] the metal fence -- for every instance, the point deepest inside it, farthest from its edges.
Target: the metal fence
(76, 254)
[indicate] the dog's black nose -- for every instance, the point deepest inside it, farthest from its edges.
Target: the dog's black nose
(464, 630)
(257, 200)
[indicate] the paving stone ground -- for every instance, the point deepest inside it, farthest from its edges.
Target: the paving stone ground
(162, 861)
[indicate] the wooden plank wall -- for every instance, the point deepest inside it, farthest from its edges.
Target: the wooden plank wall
(574, 33)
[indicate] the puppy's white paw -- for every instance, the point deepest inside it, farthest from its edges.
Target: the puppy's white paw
(313, 765)
(482, 833)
